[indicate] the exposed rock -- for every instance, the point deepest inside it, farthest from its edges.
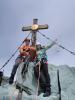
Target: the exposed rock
(67, 82)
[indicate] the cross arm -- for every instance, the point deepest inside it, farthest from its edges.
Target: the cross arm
(40, 27)
(35, 27)
(26, 28)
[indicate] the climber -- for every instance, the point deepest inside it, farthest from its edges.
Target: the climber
(25, 51)
(1, 75)
(44, 69)
(30, 58)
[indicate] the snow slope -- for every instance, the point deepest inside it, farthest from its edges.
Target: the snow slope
(67, 82)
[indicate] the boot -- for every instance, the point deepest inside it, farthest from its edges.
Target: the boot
(42, 89)
(48, 92)
(11, 79)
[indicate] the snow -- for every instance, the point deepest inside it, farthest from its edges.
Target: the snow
(67, 82)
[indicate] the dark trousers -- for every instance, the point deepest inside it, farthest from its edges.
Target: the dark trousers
(17, 62)
(44, 76)
(1, 75)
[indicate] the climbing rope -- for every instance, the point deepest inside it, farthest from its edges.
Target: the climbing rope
(73, 53)
(13, 54)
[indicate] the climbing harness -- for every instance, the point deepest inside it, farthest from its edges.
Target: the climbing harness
(13, 54)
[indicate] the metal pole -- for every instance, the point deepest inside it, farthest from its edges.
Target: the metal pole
(34, 33)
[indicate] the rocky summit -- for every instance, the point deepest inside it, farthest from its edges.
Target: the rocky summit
(29, 84)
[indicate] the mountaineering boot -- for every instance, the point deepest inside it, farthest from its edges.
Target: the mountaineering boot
(48, 92)
(42, 89)
(11, 79)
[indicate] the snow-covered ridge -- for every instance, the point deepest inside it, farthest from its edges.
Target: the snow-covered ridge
(67, 82)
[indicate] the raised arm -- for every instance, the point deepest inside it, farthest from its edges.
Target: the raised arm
(51, 45)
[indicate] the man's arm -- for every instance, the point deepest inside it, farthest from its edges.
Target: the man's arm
(42, 51)
(51, 45)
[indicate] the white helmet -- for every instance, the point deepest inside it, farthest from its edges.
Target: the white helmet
(38, 43)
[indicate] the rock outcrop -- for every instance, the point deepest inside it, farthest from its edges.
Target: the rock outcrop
(67, 82)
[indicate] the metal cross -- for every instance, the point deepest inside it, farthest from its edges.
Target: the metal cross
(34, 28)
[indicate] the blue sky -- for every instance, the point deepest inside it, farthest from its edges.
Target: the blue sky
(58, 14)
